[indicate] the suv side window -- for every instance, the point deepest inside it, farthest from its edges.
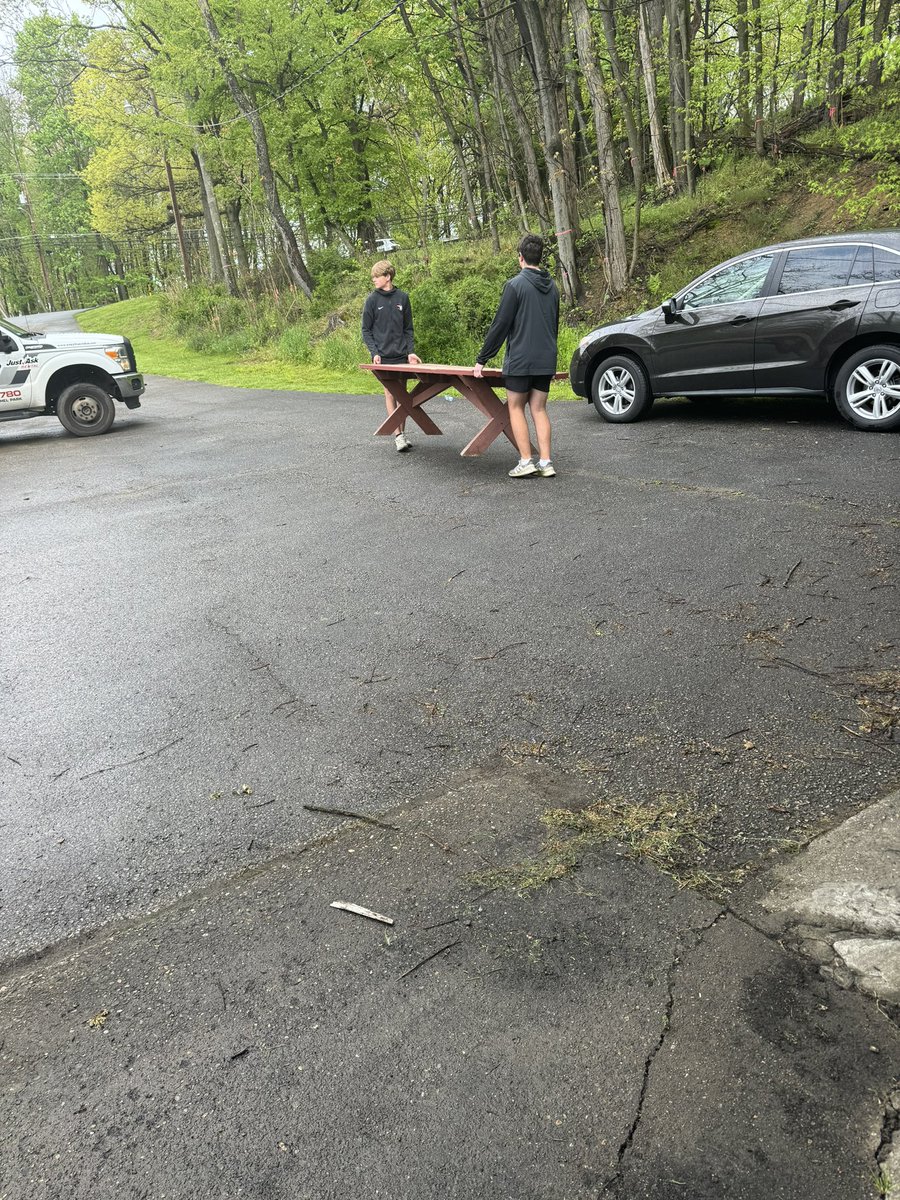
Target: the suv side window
(863, 271)
(814, 268)
(741, 281)
(887, 265)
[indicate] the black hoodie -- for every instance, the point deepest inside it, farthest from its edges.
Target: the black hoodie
(387, 326)
(528, 318)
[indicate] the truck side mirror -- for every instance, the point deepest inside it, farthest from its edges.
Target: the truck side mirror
(7, 345)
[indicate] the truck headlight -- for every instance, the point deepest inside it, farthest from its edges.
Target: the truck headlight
(119, 355)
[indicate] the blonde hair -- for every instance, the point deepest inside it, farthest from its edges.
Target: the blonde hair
(383, 267)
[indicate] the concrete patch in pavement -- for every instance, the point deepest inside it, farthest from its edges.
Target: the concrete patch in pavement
(838, 901)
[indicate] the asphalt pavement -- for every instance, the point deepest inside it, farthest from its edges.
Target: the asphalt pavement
(239, 608)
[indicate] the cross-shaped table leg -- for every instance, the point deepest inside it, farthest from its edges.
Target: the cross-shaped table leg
(483, 396)
(409, 403)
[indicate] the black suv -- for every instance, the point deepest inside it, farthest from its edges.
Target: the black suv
(819, 317)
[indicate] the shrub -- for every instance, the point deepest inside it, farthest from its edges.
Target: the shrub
(440, 329)
(294, 344)
(341, 350)
(205, 306)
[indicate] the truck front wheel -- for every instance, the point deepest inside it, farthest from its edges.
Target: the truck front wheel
(85, 409)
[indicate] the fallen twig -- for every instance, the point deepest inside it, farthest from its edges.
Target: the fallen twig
(497, 653)
(869, 741)
(797, 667)
(142, 757)
(343, 812)
(362, 912)
(428, 959)
(791, 572)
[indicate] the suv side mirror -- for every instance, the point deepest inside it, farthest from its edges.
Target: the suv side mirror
(671, 309)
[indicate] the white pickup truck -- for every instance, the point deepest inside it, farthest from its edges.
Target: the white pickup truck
(77, 377)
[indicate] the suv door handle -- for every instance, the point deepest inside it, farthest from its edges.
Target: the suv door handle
(741, 320)
(839, 304)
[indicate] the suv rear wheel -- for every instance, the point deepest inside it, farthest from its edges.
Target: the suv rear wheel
(620, 389)
(85, 409)
(867, 389)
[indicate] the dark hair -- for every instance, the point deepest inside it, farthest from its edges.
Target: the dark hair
(531, 248)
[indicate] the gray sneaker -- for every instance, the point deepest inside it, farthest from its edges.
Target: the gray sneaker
(523, 470)
(547, 471)
(402, 442)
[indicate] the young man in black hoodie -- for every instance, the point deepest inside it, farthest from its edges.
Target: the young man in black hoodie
(528, 320)
(387, 330)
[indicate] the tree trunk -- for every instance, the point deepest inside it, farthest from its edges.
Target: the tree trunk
(616, 252)
(879, 25)
(757, 61)
(661, 165)
(531, 17)
(233, 214)
(801, 76)
(487, 159)
(296, 266)
(625, 102)
(219, 261)
(681, 70)
(838, 52)
(179, 224)
(533, 184)
(449, 124)
(512, 175)
(743, 49)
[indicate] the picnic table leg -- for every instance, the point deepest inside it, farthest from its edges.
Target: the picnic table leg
(408, 403)
(483, 396)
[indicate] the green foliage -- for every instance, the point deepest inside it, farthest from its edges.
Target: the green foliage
(329, 269)
(342, 350)
(205, 309)
(437, 322)
(872, 140)
(294, 344)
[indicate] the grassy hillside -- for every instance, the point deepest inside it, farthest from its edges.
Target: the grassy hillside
(288, 342)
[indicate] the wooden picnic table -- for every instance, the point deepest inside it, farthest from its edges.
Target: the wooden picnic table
(433, 379)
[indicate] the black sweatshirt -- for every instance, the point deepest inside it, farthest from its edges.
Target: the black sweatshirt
(528, 317)
(387, 326)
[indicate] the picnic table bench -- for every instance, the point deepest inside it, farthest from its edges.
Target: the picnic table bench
(433, 379)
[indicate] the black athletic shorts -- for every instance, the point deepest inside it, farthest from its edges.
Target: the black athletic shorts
(527, 383)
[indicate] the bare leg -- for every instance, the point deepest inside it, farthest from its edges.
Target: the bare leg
(518, 422)
(538, 403)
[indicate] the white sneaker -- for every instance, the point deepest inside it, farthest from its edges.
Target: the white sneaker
(523, 469)
(402, 442)
(546, 469)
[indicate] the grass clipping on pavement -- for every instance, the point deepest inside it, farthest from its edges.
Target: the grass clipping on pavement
(667, 833)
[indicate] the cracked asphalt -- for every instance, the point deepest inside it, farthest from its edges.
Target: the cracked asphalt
(238, 604)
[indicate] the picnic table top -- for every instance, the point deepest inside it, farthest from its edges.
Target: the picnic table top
(442, 369)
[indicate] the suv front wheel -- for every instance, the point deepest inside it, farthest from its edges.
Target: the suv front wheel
(867, 388)
(620, 389)
(85, 409)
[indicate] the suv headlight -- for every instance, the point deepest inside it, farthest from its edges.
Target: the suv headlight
(119, 355)
(586, 341)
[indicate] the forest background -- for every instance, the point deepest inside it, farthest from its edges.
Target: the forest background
(222, 169)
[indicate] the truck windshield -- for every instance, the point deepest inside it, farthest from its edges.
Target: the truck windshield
(16, 329)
